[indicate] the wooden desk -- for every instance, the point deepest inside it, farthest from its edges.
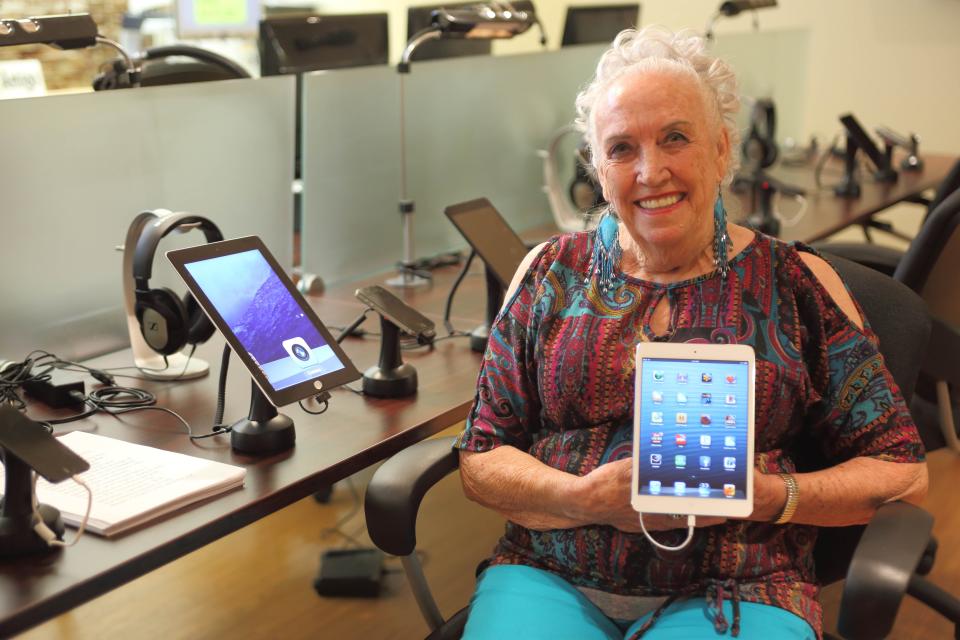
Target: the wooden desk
(826, 213)
(354, 433)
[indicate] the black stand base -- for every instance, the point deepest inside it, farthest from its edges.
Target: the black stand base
(17, 537)
(264, 430)
(764, 224)
(390, 383)
(847, 189)
(254, 436)
(479, 337)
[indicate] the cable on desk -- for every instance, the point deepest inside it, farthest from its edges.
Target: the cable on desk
(453, 290)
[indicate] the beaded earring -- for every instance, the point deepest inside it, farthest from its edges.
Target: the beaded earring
(606, 251)
(721, 239)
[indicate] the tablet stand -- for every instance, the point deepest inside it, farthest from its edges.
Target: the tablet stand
(849, 187)
(391, 377)
(264, 430)
(495, 292)
(17, 519)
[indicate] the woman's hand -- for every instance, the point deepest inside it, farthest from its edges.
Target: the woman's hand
(604, 496)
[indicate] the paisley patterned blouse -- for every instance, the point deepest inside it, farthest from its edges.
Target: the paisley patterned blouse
(557, 382)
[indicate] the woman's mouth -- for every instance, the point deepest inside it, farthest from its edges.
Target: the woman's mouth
(659, 202)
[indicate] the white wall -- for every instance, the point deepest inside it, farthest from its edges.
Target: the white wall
(891, 62)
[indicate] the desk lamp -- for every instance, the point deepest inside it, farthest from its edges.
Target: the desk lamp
(487, 21)
(731, 8)
(73, 31)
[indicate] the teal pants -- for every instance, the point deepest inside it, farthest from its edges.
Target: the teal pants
(513, 601)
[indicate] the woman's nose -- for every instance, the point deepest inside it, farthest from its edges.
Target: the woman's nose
(651, 168)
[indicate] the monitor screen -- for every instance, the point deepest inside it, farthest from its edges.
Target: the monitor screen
(600, 24)
(307, 42)
(215, 18)
(267, 322)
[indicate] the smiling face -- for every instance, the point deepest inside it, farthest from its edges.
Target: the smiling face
(661, 154)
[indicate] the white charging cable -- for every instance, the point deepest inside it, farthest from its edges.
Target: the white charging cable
(45, 532)
(795, 218)
(691, 525)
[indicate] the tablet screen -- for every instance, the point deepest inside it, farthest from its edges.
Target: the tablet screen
(500, 248)
(693, 428)
(265, 319)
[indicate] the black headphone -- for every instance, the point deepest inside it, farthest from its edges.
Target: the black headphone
(168, 322)
(584, 190)
(760, 145)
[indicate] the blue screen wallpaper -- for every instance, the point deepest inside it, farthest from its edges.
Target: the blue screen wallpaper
(265, 318)
(693, 428)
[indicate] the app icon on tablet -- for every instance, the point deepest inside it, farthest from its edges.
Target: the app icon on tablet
(655, 487)
(706, 377)
(729, 463)
(656, 417)
(704, 489)
(681, 439)
(658, 376)
(706, 398)
(655, 460)
(679, 488)
(681, 417)
(656, 438)
(729, 490)
(705, 441)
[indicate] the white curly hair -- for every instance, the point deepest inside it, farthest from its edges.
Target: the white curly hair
(656, 48)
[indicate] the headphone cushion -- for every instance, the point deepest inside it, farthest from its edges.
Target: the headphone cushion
(162, 319)
(199, 327)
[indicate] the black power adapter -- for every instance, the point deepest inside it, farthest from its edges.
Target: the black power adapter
(56, 395)
(350, 573)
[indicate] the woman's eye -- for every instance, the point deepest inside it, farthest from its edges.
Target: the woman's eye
(619, 149)
(675, 136)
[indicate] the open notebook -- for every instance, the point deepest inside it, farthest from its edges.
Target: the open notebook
(132, 483)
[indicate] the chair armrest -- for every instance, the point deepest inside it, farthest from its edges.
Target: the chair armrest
(397, 488)
(892, 547)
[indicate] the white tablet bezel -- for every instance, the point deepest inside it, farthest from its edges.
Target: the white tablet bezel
(723, 507)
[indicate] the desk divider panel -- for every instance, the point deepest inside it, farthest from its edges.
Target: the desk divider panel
(76, 169)
(473, 128)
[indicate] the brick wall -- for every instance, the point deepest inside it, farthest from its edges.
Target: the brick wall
(66, 69)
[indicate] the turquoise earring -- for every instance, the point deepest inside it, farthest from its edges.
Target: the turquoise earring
(721, 239)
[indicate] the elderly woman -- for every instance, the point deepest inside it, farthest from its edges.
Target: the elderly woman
(548, 442)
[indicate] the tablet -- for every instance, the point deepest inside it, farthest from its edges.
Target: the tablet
(693, 426)
(482, 226)
(265, 320)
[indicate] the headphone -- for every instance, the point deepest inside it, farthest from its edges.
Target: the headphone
(167, 321)
(760, 145)
(207, 65)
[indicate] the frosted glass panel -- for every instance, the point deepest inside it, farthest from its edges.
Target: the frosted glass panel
(474, 126)
(76, 169)
(770, 64)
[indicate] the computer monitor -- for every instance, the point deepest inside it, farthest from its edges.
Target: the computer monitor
(599, 24)
(216, 18)
(309, 42)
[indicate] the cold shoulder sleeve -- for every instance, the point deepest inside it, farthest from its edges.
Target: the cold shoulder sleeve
(507, 401)
(855, 407)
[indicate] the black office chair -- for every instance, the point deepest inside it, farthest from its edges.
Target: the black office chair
(930, 267)
(882, 258)
(394, 494)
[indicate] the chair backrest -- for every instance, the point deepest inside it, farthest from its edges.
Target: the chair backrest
(947, 186)
(934, 252)
(901, 322)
